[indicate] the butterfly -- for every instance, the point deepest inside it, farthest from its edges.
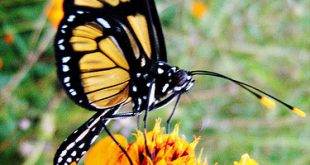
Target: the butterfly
(112, 52)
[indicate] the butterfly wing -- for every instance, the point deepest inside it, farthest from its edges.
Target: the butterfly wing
(99, 45)
(140, 16)
(79, 142)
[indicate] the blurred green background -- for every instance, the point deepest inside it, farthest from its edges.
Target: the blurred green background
(264, 43)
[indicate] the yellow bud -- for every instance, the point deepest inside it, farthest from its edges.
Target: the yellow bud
(299, 112)
(267, 102)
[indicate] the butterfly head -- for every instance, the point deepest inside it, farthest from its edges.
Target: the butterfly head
(171, 79)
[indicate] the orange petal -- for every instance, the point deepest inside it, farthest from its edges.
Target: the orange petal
(199, 9)
(8, 38)
(1, 63)
(55, 13)
(106, 151)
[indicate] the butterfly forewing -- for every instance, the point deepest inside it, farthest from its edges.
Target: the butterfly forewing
(91, 62)
(140, 17)
(99, 45)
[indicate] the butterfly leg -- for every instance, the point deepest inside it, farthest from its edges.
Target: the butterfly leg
(79, 142)
(150, 104)
(116, 142)
(172, 113)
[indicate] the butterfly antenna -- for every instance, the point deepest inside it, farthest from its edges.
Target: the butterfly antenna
(255, 91)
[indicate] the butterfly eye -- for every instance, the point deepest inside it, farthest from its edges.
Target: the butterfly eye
(179, 78)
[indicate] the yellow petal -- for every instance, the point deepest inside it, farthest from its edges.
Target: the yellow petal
(246, 160)
(199, 9)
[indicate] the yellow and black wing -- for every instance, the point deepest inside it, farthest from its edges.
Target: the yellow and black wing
(138, 16)
(101, 44)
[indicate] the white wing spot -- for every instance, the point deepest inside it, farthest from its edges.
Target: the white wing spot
(134, 88)
(139, 101)
(82, 145)
(61, 47)
(60, 41)
(59, 159)
(71, 145)
(66, 79)
(93, 140)
(65, 68)
(80, 12)
(73, 153)
(138, 75)
(104, 23)
(82, 135)
(65, 59)
(73, 93)
(69, 160)
(64, 26)
(63, 153)
(68, 84)
(71, 18)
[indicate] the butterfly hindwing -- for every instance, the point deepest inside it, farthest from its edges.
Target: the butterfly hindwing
(79, 142)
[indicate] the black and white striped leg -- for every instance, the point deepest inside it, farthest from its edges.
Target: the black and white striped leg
(79, 142)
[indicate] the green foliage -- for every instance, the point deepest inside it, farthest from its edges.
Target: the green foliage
(264, 43)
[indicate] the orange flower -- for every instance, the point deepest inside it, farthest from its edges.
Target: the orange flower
(163, 149)
(246, 160)
(55, 12)
(8, 38)
(199, 9)
(1, 63)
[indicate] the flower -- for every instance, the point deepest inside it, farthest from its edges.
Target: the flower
(246, 160)
(55, 12)
(199, 9)
(1, 63)
(163, 149)
(8, 38)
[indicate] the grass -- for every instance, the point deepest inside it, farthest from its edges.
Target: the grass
(264, 43)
